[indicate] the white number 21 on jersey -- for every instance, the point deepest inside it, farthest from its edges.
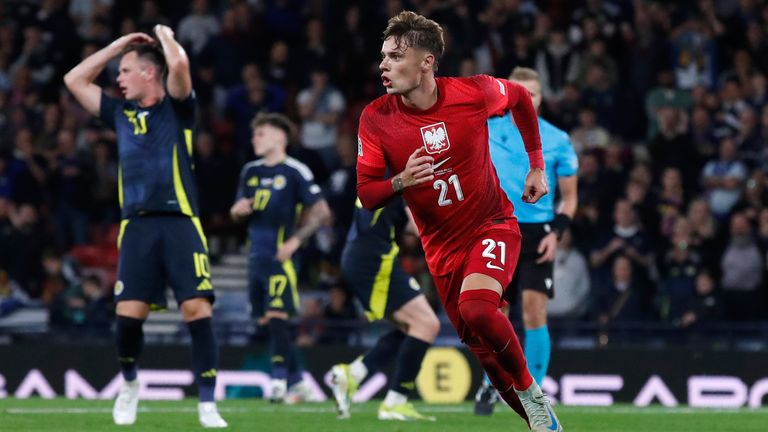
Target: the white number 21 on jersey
(442, 186)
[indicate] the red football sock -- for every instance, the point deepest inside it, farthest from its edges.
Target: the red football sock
(501, 380)
(480, 311)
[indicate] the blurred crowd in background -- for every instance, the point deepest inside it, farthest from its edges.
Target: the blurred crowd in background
(666, 104)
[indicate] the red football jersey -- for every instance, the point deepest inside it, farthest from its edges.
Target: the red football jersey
(465, 194)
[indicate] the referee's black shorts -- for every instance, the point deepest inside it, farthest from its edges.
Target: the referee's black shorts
(530, 275)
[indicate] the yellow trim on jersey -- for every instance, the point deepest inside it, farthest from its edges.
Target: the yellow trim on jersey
(123, 226)
(280, 236)
(376, 215)
(378, 303)
(290, 272)
(358, 203)
(120, 185)
(199, 228)
(188, 140)
(178, 186)
(297, 212)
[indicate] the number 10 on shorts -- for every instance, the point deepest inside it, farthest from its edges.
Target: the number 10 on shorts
(202, 266)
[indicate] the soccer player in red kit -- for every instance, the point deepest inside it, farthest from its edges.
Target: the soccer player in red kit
(431, 133)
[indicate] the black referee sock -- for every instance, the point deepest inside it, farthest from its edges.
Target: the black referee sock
(279, 347)
(205, 357)
(409, 359)
(383, 352)
(129, 338)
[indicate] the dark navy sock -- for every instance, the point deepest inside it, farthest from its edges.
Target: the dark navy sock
(129, 338)
(383, 352)
(205, 357)
(294, 367)
(279, 347)
(409, 359)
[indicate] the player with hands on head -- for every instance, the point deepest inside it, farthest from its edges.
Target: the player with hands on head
(161, 240)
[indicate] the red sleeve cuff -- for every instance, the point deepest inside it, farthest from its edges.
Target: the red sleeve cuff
(536, 159)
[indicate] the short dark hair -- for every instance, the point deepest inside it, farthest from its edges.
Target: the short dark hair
(416, 31)
(152, 54)
(277, 120)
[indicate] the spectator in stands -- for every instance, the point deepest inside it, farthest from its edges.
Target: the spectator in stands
(339, 313)
(215, 171)
(226, 51)
(731, 106)
(196, 29)
(320, 107)
(557, 64)
(694, 53)
(706, 306)
(600, 93)
(59, 275)
(626, 239)
(762, 231)
(82, 306)
(702, 135)
(25, 245)
(310, 327)
(35, 55)
(671, 201)
(517, 53)
(280, 69)
(6, 187)
(681, 265)
(244, 101)
(742, 268)
(673, 146)
(104, 186)
(12, 297)
(315, 53)
(571, 277)
(748, 139)
(665, 94)
(46, 139)
(723, 179)
(341, 191)
(588, 135)
(623, 299)
(28, 170)
(755, 196)
(70, 178)
(704, 234)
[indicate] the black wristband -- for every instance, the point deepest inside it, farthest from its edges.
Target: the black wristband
(560, 223)
(397, 185)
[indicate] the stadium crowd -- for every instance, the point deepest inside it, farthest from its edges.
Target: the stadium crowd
(666, 104)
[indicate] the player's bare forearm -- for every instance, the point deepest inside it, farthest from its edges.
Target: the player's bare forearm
(80, 79)
(179, 78)
(90, 68)
(317, 215)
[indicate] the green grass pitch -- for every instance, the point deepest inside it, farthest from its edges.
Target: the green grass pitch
(63, 415)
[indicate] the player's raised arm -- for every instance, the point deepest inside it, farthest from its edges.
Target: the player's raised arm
(80, 79)
(179, 82)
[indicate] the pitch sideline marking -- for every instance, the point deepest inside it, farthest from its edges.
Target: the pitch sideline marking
(361, 409)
